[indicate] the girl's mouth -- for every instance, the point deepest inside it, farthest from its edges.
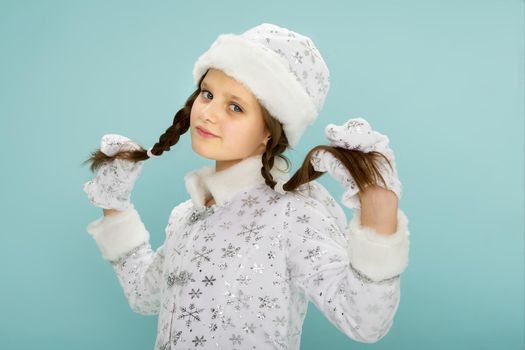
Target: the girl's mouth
(204, 133)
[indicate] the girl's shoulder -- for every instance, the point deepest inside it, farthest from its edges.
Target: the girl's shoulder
(180, 210)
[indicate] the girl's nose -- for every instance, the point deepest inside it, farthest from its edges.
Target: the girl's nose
(210, 112)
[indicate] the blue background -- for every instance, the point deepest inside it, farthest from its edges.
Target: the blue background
(443, 79)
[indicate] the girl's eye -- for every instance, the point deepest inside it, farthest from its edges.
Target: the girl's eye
(233, 104)
(240, 110)
(204, 91)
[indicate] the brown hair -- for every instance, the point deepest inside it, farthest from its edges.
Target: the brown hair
(362, 166)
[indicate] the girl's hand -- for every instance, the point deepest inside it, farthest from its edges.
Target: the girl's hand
(356, 134)
(111, 188)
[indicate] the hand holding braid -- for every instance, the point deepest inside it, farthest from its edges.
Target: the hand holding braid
(111, 188)
(356, 134)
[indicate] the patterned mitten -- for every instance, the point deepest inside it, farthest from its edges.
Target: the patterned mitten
(356, 134)
(111, 188)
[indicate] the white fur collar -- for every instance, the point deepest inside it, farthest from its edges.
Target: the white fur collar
(205, 182)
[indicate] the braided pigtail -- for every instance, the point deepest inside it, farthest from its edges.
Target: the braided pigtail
(179, 126)
(275, 147)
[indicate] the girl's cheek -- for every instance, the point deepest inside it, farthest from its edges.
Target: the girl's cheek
(193, 114)
(229, 128)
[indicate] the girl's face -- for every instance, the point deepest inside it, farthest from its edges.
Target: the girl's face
(228, 110)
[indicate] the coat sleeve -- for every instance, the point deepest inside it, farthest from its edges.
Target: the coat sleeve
(349, 272)
(124, 241)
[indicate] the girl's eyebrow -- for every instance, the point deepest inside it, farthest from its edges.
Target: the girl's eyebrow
(235, 97)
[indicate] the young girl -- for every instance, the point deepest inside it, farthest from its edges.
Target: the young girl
(252, 246)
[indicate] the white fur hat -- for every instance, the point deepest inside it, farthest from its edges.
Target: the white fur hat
(282, 68)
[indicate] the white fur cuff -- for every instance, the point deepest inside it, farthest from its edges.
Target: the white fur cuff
(117, 234)
(376, 255)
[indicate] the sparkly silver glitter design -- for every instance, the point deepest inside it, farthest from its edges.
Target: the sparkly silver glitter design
(181, 278)
(200, 214)
(244, 282)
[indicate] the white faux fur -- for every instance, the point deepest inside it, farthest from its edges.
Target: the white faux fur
(118, 234)
(204, 183)
(265, 73)
(379, 256)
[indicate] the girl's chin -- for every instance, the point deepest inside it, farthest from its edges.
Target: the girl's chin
(203, 151)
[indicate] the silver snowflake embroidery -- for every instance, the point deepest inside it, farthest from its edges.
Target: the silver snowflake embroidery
(227, 322)
(279, 321)
(308, 92)
(335, 258)
(250, 201)
(257, 268)
(332, 133)
(281, 53)
(230, 251)
(277, 339)
(314, 254)
(181, 278)
(239, 300)
(319, 76)
(190, 314)
(303, 219)
(354, 126)
(269, 303)
(203, 226)
(208, 280)
(199, 341)
(309, 234)
(343, 290)
(258, 212)
(318, 279)
(273, 199)
(289, 209)
(294, 72)
(310, 203)
(177, 337)
(216, 311)
(249, 328)
(329, 202)
(244, 280)
(278, 279)
(195, 293)
(236, 339)
(297, 57)
(276, 241)
(202, 255)
(253, 229)
(309, 50)
(209, 237)
(305, 75)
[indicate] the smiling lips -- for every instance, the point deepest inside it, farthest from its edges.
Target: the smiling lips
(204, 132)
